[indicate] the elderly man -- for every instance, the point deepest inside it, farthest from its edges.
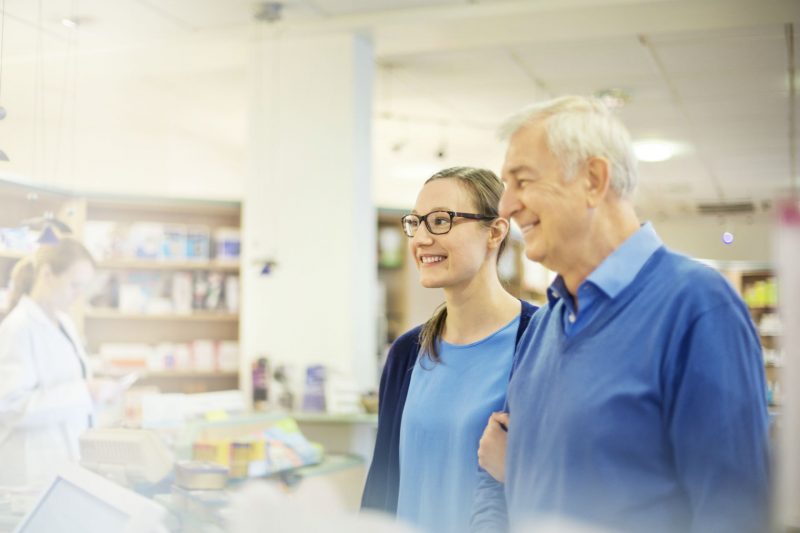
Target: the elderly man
(637, 401)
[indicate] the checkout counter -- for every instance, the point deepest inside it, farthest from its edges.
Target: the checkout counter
(181, 477)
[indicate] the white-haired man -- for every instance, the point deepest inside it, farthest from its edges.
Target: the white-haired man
(637, 401)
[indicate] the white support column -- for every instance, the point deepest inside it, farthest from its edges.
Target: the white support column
(307, 206)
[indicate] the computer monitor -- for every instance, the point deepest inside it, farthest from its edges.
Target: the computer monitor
(133, 457)
(79, 500)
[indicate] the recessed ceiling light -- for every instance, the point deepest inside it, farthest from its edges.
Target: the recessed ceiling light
(69, 23)
(654, 150)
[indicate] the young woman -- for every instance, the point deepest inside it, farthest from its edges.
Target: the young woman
(45, 398)
(442, 380)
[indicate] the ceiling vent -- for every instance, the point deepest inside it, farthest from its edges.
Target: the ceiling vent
(726, 208)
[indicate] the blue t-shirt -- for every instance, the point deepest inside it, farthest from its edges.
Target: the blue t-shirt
(445, 413)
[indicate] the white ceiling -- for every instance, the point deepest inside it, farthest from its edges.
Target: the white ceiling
(711, 75)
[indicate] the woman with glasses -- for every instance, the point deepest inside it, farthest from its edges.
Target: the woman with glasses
(443, 379)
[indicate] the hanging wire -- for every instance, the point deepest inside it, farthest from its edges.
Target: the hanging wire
(70, 68)
(791, 71)
(73, 126)
(2, 39)
(3, 156)
(38, 99)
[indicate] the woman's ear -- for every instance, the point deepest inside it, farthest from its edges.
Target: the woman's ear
(498, 231)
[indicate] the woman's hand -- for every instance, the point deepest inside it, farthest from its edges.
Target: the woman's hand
(492, 446)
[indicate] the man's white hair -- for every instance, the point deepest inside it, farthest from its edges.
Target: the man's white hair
(577, 128)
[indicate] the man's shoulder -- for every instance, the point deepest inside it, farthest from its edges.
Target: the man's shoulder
(539, 318)
(685, 273)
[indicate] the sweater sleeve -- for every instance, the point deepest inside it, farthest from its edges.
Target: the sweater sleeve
(718, 422)
(383, 479)
(489, 513)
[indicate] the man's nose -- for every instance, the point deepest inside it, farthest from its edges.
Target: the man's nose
(509, 204)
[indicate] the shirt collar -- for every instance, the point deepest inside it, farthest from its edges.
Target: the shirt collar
(34, 310)
(556, 290)
(619, 269)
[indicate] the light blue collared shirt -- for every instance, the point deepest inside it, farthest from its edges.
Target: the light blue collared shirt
(616, 272)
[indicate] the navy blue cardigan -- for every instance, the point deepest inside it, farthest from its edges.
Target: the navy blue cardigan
(383, 479)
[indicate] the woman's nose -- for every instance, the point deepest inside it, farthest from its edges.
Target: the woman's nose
(422, 235)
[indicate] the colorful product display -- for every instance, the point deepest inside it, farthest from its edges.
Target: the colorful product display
(278, 448)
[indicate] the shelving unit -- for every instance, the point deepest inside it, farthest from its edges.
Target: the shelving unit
(109, 325)
(760, 293)
(394, 267)
(104, 323)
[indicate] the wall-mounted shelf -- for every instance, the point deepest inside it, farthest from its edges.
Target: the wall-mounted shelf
(196, 316)
(170, 374)
(10, 255)
(156, 264)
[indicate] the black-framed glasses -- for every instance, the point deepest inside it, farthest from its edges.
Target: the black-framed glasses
(437, 222)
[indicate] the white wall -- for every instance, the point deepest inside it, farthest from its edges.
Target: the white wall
(701, 237)
(114, 121)
(308, 207)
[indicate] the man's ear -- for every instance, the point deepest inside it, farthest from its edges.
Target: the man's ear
(498, 231)
(598, 180)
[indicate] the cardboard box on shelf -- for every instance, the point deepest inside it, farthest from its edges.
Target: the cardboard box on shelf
(198, 243)
(227, 244)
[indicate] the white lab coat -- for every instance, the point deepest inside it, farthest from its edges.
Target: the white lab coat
(44, 399)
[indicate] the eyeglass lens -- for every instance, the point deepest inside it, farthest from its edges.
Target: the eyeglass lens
(437, 222)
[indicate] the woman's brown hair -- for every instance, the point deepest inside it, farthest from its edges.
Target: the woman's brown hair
(485, 189)
(59, 256)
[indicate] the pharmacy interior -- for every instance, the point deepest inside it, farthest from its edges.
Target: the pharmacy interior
(238, 176)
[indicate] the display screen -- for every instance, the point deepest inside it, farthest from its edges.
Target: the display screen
(67, 508)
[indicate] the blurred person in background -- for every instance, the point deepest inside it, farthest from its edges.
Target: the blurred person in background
(46, 394)
(444, 378)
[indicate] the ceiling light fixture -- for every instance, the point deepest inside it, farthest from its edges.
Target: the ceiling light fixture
(70, 23)
(3, 156)
(727, 237)
(654, 151)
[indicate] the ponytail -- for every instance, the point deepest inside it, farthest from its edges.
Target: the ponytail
(22, 278)
(59, 256)
(431, 333)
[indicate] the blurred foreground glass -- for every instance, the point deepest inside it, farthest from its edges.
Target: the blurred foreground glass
(787, 263)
